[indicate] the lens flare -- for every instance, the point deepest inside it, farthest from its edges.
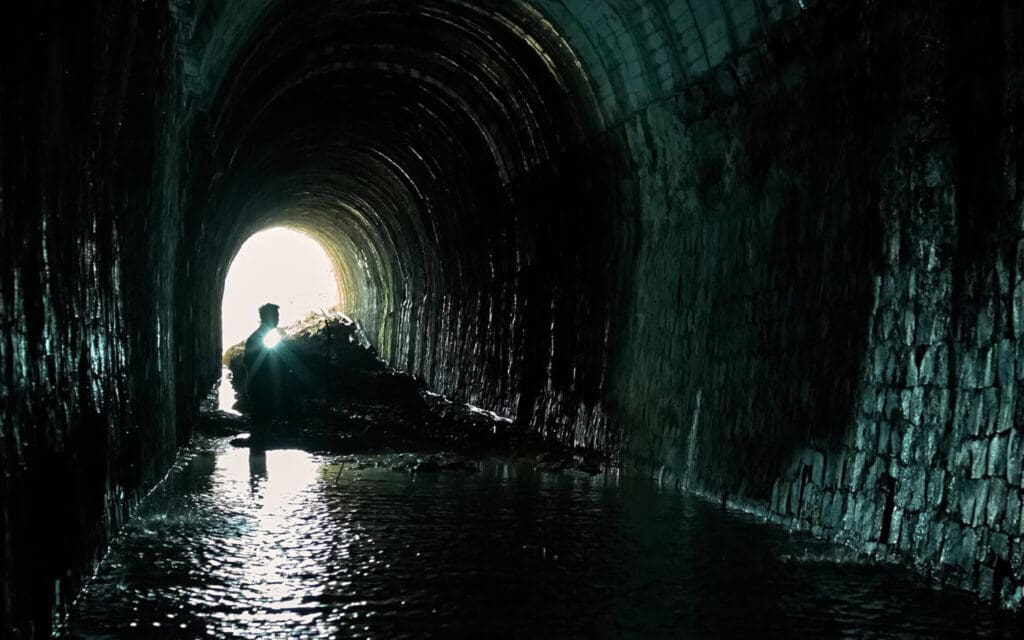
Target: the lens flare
(272, 339)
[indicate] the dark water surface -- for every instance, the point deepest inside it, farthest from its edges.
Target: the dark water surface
(280, 546)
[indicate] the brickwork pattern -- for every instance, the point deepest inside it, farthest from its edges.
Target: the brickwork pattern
(825, 305)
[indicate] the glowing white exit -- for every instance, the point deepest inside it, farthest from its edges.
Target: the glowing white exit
(279, 265)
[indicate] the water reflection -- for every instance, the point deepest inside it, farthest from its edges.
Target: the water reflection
(241, 544)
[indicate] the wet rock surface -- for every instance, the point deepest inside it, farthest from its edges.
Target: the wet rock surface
(343, 399)
(327, 366)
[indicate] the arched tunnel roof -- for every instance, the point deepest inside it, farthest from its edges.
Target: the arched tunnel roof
(399, 135)
(444, 152)
(377, 126)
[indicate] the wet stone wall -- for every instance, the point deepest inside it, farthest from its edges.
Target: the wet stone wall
(87, 229)
(930, 469)
(826, 307)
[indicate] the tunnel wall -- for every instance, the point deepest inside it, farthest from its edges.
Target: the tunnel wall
(825, 305)
(88, 227)
(794, 281)
(809, 211)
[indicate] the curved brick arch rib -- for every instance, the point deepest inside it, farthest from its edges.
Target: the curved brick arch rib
(434, 148)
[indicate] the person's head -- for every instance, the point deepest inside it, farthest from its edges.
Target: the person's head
(269, 315)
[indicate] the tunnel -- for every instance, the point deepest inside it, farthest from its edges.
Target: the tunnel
(744, 270)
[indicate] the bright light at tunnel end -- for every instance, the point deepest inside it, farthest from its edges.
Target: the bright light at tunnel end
(279, 265)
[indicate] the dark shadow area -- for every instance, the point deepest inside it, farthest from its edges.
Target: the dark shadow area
(798, 191)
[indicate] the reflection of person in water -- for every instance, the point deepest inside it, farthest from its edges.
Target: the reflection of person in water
(257, 469)
(263, 370)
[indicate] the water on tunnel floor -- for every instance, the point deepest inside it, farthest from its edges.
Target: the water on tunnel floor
(282, 545)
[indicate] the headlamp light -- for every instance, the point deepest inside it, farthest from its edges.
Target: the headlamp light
(272, 339)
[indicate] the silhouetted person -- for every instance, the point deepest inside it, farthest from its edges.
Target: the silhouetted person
(263, 371)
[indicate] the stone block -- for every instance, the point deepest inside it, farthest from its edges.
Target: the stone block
(1018, 313)
(937, 366)
(981, 490)
(966, 371)
(867, 435)
(936, 410)
(979, 458)
(1012, 519)
(965, 498)
(987, 367)
(857, 471)
(869, 516)
(996, 503)
(892, 404)
(895, 526)
(990, 411)
(1014, 457)
(837, 510)
(922, 532)
(1007, 368)
(883, 443)
(918, 478)
(968, 549)
(878, 361)
(1000, 545)
(997, 456)
(961, 412)
(793, 498)
(1017, 552)
(910, 376)
(912, 405)
(975, 415)
(909, 327)
(932, 549)
(936, 488)
(909, 445)
(985, 323)
(953, 544)
(1007, 398)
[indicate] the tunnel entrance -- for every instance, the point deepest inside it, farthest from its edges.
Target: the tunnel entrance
(280, 265)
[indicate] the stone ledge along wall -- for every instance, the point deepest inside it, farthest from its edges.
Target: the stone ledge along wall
(88, 224)
(826, 315)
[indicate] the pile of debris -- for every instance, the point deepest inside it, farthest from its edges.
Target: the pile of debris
(330, 368)
(343, 398)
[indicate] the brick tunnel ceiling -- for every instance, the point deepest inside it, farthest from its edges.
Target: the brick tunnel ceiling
(389, 132)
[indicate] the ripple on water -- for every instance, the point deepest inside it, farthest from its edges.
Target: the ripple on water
(271, 545)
